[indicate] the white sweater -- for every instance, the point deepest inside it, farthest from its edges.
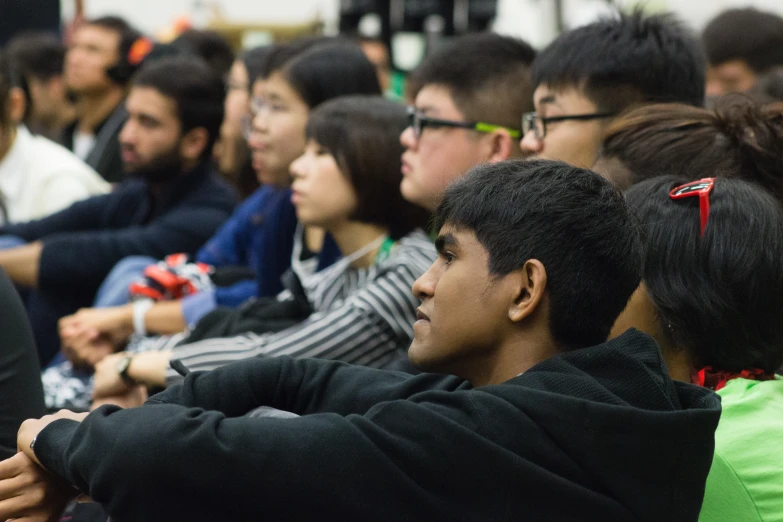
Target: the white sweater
(39, 177)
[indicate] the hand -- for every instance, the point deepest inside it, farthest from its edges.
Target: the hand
(84, 349)
(29, 493)
(136, 396)
(32, 427)
(107, 381)
(116, 323)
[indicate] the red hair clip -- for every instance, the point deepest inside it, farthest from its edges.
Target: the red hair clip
(701, 188)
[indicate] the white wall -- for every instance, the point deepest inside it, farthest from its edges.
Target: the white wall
(531, 19)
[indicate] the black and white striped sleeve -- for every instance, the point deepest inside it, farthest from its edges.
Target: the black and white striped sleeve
(368, 328)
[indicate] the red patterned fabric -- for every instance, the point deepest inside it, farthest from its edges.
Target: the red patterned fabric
(713, 380)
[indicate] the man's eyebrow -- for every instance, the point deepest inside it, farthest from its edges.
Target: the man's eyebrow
(548, 99)
(445, 240)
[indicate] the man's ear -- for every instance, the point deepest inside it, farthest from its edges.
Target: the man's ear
(193, 143)
(17, 104)
(530, 286)
(502, 146)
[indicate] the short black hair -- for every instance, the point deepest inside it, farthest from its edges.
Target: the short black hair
(280, 54)
(325, 72)
(37, 54)
(196, 89)
(487, 75)
(626, 59)
(572, 220)
(719, 296)
(747, 34)
(254, 60)
(210, 46)
(362, 133)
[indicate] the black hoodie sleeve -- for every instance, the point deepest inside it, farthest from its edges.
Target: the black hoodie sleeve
(170, 462)
(300, 386)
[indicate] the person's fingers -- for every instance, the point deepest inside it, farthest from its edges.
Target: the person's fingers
(13, 466)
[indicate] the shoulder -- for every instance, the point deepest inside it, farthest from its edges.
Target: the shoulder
(415, 248)
(51, 158)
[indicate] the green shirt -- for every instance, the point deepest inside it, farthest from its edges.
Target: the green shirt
(746, 479)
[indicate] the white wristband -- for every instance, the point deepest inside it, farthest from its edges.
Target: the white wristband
(140, 309)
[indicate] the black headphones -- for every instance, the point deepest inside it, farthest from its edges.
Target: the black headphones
(134, 47)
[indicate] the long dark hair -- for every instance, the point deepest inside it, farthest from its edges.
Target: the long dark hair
(719, 296)
(362, 133)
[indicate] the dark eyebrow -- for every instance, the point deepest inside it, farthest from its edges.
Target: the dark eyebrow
(445, 240)
(547, 99)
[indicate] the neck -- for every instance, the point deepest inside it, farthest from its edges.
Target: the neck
(350, 236)
(679, 364)
(92, 110)
(514, 356)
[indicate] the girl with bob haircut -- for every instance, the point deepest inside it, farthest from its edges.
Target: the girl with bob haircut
(712, 287)
(347, 183)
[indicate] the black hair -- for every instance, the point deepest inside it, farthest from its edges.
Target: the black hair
(362, 133)
(37, 54)
(254, 61)
(747, 34)
(718, 296)
(487, 75)
(6, 83)
(325, 72)
(573, 221)
(626, 59)
(280, 54)
(210, 46)
(196, 89)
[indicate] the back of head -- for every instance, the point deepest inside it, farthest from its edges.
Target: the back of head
(624, 60)
(38, 55)
(747, 34)
(574, 222)
(329, 71)
(488, 76)
(210, 46)
(196, 89)
(737, 138)
(254, 60)
(362, 132)
(719, 296)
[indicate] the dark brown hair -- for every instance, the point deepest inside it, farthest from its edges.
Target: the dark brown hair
(362, 133)
(737, 138)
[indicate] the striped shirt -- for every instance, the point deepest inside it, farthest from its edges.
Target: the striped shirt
(362, 316)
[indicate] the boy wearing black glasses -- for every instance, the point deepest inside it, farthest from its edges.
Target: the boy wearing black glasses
(589, 75)
(469, 99)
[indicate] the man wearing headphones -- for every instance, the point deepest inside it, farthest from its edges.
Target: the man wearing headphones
(98, 68)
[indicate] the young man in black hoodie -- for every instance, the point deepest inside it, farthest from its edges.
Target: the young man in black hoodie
(543, 420)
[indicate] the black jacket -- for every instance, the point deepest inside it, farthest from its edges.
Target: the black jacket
(105, 156)
(83, 242)
(596, 434)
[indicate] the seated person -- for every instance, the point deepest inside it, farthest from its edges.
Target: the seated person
(37, 177)
(260, 235)
(543, 420)
(741, 45)
(40, 58)
(593, 73)
(712, 297)
(462, 115)
(713, 280)
(360, 309)
(174, 202)
(735, 138)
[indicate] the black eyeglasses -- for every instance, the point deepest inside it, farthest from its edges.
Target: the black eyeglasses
(532, 121)
(417, 121)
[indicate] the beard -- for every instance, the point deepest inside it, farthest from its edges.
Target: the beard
(159, 169)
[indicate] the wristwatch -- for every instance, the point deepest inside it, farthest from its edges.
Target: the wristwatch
(122, 368)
